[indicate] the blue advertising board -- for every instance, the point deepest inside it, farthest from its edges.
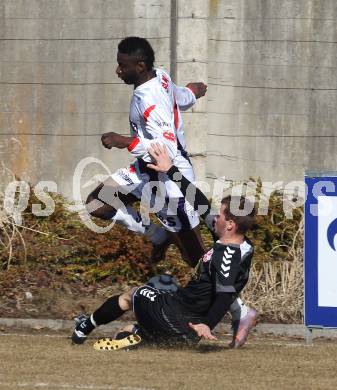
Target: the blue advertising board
(320, 258)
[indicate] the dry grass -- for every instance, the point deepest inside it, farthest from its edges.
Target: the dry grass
(9, 230)
(37, 361)
(59, 243)
(275, 288)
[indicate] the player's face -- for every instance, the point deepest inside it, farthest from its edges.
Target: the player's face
(127, 69)
(221, 223)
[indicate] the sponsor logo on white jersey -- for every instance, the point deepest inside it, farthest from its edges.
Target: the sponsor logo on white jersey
(124, 174)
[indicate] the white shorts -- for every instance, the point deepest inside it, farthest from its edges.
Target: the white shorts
(159, 195)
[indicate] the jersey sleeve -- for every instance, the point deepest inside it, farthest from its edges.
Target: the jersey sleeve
(195, 197)
(219, 308)
(158, 124)
(191, 192)
(226, 268)
(185, 98)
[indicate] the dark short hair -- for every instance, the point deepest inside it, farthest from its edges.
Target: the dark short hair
(243, 222)
(139, 48)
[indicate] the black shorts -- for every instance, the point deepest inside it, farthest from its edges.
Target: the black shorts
(161, 318)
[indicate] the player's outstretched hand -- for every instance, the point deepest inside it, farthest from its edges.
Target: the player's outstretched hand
(202, 330)
(199, 89)
(160, 157)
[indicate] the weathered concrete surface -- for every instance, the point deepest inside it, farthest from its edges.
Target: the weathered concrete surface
(272, 75)
(270, 66)
(192, 55)
(58, 87)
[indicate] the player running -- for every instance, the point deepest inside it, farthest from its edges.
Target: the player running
(154, 117)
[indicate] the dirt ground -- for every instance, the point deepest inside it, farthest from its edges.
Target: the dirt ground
(47, 360)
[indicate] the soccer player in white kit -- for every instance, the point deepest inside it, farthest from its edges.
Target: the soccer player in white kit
(154, 117)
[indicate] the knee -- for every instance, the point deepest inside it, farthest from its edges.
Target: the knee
(93, 206)
(93, 196)
(96, 208)
(90, 198)
(125, 300)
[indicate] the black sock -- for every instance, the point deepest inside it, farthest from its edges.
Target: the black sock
(109, 311)
(86, 326)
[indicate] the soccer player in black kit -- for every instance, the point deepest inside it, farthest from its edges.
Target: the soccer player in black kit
(192, 311)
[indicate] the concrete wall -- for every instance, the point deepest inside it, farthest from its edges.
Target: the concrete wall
(192, 57)
(58, 87)
(272, 76)
(270, 66)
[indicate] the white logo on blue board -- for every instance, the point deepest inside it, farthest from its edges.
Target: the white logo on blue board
(326, 251)
(331, 233)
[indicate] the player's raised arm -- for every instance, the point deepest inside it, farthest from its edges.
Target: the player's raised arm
(187, 96)
(199, 89)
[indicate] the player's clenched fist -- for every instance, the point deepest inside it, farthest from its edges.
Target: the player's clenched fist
(114, 140)
(199, 89)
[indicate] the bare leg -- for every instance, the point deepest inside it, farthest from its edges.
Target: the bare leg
(111, 309)
(125, 300)
(106, 198)
(110, 201)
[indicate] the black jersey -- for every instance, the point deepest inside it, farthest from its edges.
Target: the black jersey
(224, 268)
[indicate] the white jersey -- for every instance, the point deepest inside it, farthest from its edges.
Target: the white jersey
(155, 117)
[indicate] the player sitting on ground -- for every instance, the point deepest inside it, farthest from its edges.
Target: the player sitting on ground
(193, 311)
(243, 317)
